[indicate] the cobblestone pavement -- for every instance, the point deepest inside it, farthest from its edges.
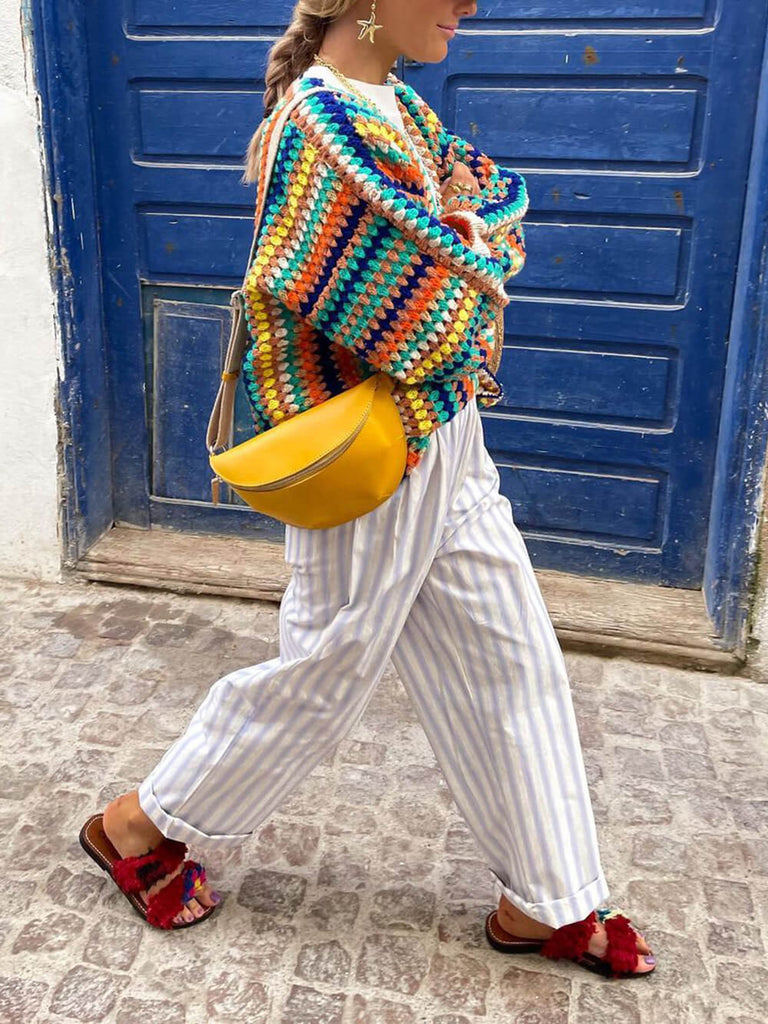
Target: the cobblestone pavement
(362, 901)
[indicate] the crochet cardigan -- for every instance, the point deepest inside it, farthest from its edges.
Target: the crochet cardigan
(355, 272)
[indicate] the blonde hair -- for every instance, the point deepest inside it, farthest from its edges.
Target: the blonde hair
(289, 57)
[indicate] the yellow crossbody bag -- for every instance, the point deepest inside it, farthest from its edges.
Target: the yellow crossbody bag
(318, 468)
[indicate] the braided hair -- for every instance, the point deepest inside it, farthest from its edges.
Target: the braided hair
(289, 57)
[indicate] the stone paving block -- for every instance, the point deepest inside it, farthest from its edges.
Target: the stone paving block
(468, 880)
(659, 854)
(703, 808)
(459, 842)
(87, 994)
(684, 960)
(459, 982)
(756, 856)
(114, 942)
(53, 932)
(325, 962)
(663, 903)
(271, 892)
(361, 785)
(20, 999)
(60, 645)
(463, 923)
(334, 912)
(345, 867)
(129, 690)
(662, 1005)
(309, 800)
(734, 938)
(746, 984)
(308, 1006)
(359, 752)
(132, 1011)
(232, 998)
(725, 899)
(18, 782)
(348, 819)
(629, 721)
(640, 764)
(407, 906)
(685, 736)
(640, 805)
(750, 815)
(392, 962)
(380, 1011)
(609, 1002)
(287, 843)
(258, 944)
(711, 855)
(404, 858)
(531, 997)
(687, 764)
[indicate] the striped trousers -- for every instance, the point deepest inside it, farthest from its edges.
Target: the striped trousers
(439, 580)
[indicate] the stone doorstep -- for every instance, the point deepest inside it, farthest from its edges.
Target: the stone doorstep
(665, 625)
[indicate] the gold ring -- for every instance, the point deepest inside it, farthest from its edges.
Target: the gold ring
(462, 187)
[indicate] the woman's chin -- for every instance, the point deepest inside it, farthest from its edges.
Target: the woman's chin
(432, 54)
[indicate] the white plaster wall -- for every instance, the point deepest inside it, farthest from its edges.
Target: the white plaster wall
(29, 538)
(757, 647)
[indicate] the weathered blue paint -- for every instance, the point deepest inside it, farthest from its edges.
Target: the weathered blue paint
(738, 494)
(55, 33)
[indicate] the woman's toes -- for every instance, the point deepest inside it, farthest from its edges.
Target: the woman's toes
(208, 897)
(645, 964)
(196, 908)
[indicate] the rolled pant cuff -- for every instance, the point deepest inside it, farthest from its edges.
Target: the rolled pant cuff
(176, 828)
(565, 910)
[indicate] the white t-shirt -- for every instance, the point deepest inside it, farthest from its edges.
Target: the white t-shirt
(382, 95)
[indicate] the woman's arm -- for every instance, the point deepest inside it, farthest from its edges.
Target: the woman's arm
(498, 205)
(364, 261)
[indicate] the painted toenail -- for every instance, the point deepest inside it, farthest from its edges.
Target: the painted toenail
(650, 960)
(215, 897)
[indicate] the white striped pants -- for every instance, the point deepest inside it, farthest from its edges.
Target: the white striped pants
(438, 578)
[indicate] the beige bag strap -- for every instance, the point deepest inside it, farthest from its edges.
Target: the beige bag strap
(221, 422)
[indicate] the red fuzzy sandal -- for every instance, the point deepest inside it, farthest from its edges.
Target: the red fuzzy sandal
(133, 875)
(571, 942)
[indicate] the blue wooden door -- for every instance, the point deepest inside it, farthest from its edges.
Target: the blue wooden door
(631, 120)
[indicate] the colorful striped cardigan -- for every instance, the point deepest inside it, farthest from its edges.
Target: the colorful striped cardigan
(355, 272)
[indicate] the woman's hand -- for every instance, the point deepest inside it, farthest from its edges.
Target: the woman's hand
(461, 182)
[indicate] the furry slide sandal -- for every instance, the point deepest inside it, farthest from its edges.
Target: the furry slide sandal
(571, 942)
(132, 875)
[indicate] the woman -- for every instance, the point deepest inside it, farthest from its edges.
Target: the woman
(384, 246)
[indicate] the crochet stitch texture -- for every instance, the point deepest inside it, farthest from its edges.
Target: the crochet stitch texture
(355, 272)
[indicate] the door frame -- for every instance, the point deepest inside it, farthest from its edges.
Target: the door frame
(56, 30)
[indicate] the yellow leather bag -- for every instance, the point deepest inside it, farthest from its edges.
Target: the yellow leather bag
(318, 468)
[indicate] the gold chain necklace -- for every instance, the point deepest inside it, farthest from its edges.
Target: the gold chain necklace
(436, 200)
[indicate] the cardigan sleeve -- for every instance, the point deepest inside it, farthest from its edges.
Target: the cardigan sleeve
(499, 207)
(366, 264)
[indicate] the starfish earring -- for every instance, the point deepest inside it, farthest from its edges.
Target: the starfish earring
(367, 28)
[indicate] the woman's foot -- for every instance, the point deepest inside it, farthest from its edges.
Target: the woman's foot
(133, 834)
(517, 923)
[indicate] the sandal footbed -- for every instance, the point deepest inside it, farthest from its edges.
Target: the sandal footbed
(96, 844)
(505, 942)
